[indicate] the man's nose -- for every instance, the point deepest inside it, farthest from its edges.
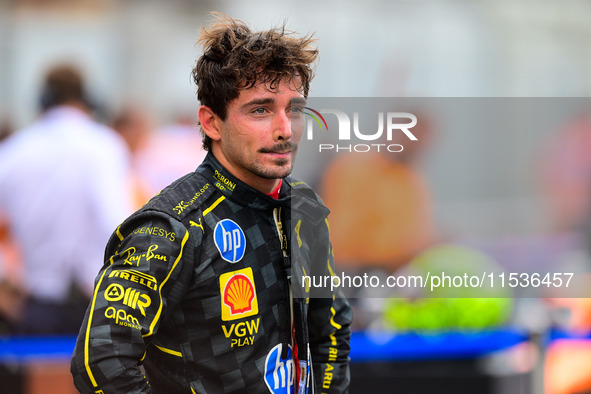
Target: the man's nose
(282, 126)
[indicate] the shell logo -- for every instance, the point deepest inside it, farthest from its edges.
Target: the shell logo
(238, 294)
(239, 298)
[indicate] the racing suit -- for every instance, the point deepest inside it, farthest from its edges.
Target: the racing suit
(203, 286)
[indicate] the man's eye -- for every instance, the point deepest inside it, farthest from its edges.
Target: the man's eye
(297, 110)
(260, 110)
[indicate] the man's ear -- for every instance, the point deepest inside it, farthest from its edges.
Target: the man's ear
(210, 122)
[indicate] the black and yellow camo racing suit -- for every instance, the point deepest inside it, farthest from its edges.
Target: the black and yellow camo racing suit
(204, 287)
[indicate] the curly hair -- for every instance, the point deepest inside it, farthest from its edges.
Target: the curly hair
(236, 58)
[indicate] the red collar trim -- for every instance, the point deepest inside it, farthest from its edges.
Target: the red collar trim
(275, 193)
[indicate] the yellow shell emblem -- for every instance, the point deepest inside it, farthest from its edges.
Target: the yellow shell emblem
(239, 293)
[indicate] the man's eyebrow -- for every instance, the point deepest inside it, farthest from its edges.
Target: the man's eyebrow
(259, 101)
(298, 101)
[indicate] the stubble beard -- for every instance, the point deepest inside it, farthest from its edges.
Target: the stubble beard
(281, 168)
(265, 168)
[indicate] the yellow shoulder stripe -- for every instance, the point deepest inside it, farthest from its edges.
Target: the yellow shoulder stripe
(215, 204)
(118, 232)
(87, 336)
(157, 317)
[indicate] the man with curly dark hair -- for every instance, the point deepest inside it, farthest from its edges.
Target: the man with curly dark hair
(203, 285)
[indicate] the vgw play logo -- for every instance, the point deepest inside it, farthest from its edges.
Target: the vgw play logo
(395, 122)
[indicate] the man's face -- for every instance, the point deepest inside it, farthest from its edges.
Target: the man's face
(260, 136)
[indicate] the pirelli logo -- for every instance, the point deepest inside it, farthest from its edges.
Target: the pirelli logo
(136, 277)
(238, 294)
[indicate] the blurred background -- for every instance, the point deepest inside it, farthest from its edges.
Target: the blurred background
(488, 196)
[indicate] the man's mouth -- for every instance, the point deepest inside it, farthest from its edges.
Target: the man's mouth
(281, 150)
(282, 155)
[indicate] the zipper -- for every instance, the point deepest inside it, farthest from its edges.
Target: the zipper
(302, 385)
(280, 233)
(287, 268)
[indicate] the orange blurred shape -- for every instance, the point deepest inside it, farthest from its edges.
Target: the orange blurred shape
(568, 367)
(566, 173)
(579, 310)
(11, 288)
(380, 211)
(49, 377)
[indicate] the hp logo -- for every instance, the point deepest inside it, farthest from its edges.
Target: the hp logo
(230, 240)
(280, 372)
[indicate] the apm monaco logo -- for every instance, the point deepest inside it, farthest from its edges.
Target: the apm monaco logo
(132, 298)
(239, 296)
(230, 240)
(394, 122)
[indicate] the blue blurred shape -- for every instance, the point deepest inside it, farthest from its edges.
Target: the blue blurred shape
(364, 346)
(432, 346)
(26, 349)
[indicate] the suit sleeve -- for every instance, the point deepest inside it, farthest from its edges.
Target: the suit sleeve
(329, 320)
(148, 266)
